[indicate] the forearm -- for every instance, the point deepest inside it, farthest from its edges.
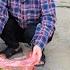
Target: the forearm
(45, 29)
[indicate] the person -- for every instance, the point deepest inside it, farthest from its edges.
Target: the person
(27, 21)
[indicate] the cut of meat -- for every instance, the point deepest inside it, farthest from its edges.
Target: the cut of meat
(18, 63)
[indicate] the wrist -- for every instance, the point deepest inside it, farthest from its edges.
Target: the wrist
(39, 47)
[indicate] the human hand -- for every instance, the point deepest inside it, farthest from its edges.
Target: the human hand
(37, 51)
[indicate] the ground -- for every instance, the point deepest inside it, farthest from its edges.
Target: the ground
(58, 50)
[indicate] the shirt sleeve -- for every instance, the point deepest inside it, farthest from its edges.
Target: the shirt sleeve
(3, 14)
(45, 29)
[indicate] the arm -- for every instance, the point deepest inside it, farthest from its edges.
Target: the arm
(3, 14)
(45, 29)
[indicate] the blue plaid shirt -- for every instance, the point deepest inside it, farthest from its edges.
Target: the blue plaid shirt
(31, 11)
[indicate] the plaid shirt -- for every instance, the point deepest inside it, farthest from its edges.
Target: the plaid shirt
(31, 11)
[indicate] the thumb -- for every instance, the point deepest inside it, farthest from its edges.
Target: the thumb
(34, 52)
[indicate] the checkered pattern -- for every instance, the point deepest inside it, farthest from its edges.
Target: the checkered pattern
(31, 11)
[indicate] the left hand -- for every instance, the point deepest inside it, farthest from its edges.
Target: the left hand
(37, 51)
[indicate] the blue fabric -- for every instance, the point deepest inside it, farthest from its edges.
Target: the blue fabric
(31, 11)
